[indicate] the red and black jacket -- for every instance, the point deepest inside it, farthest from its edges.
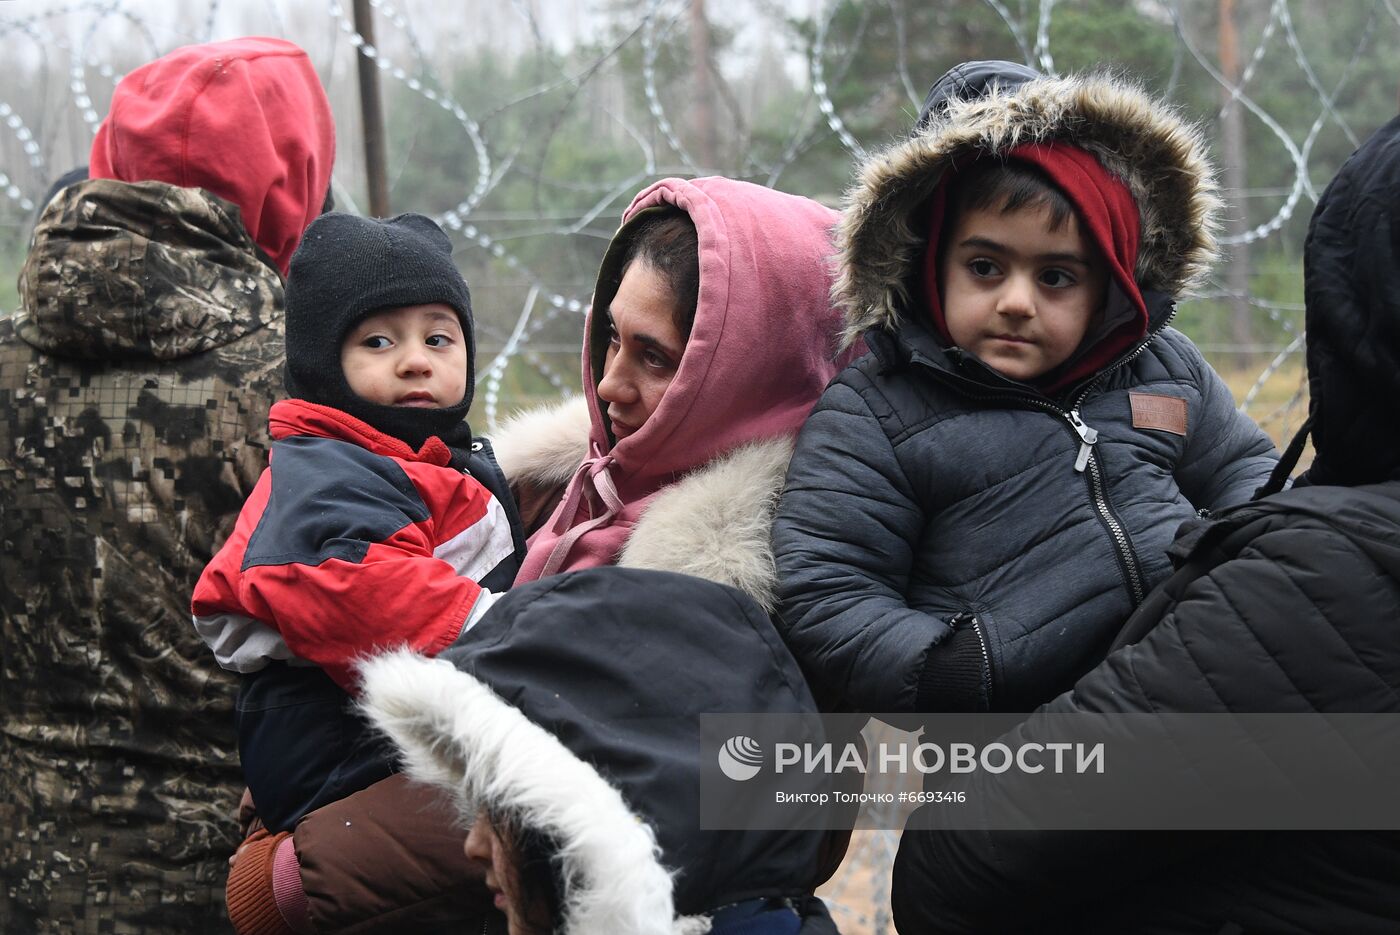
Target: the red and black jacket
(351, 542)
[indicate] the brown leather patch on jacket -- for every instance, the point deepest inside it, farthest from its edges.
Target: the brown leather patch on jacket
(1166, 413)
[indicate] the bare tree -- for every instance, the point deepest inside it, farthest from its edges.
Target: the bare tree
(1232, 150)
(703, 111)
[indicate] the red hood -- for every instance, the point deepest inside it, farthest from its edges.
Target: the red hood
(246, 120)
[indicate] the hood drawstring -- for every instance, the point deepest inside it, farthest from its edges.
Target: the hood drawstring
(594, 471)
(1279, 477)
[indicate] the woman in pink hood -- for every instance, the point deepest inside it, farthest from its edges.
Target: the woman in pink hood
(710, 337)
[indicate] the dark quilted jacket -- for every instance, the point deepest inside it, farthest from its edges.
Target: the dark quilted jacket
(952, 540)
(1291, 603)
(1296, 612)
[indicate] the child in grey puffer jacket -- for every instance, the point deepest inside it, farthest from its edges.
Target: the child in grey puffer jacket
(977, 505)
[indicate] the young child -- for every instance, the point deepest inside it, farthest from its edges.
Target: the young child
(975, 507)
(364, 533)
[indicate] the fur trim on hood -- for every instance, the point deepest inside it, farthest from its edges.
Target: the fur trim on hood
(572, 710)
(456, 733)
(714, 522)
(542, 447)
(1162, 159)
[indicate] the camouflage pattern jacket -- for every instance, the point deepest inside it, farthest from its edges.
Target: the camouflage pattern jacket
(135, 383)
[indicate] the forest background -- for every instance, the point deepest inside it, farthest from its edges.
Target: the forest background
(526, 126)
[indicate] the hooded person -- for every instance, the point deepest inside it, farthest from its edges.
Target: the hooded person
(378, 522)
(135, 381)
(1284, 604)
(673, 461)
(571, 723)
(173, 120)
(976, 506)
(350, 268)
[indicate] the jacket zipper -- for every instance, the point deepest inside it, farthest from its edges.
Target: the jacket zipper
(1099, 495)
(1087, 462)
(976, 622)
(1126, 554)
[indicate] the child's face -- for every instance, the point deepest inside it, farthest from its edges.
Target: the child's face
(1018, 294)
(411, 356)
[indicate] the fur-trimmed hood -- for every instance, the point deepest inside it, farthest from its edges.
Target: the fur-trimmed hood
(1162, 159)
(713, 522)
(572, 711)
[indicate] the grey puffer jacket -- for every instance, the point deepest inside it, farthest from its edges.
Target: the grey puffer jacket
(950, 539)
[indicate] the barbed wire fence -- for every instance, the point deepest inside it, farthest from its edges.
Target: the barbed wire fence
(64, 64)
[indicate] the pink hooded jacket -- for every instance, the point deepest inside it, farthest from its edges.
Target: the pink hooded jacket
(762, 349)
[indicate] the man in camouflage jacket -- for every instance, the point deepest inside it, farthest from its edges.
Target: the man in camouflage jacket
(134, 387)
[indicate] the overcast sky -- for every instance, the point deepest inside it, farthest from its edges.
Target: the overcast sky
(438, 27)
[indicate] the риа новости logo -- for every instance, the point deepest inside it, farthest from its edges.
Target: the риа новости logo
(740, 758)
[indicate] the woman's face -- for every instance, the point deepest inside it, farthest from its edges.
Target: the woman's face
(644, 348)
(491, 849)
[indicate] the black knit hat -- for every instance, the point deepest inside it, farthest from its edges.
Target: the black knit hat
(348, 267)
